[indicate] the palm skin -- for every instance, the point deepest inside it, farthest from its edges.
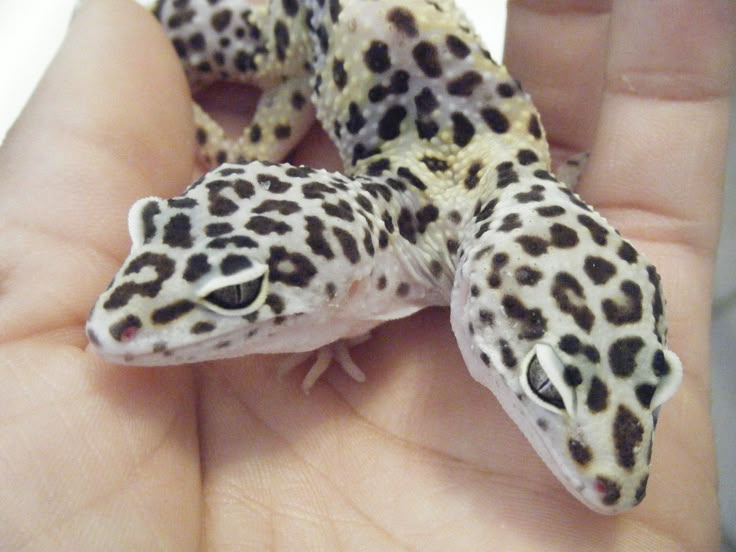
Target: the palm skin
(224, 455)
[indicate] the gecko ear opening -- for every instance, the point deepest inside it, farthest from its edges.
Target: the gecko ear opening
(141, 226)
(542, 379)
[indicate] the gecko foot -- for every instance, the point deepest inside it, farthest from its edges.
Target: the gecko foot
(339, 351)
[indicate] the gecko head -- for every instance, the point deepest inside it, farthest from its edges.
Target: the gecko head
(223, 270)
(563, 320)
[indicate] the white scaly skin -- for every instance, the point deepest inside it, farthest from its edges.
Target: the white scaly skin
(448, 199)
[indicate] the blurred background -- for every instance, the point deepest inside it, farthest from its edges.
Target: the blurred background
(22, 30)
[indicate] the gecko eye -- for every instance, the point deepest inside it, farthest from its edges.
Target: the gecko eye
(541, 386)
(236, 297)
(542, 379)
(236, 294)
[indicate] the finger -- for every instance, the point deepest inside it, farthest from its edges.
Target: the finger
(661, 143)
(557, 50)
(656, 172)
(109, 122)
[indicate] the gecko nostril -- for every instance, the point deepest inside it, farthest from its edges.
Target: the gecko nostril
(609, 490)
(128, 333)
(126, 329)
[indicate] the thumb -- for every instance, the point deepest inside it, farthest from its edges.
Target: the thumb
(109, 122)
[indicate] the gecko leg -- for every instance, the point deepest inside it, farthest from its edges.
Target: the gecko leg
(339, 351)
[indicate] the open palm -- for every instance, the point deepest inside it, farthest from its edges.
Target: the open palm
(223, 454)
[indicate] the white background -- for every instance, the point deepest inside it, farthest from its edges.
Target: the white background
(31, 30)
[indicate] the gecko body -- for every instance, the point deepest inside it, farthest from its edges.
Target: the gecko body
(447, 198)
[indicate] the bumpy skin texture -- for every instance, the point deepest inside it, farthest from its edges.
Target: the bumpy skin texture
(448, 198)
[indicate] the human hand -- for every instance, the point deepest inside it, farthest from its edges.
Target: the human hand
(420, 456)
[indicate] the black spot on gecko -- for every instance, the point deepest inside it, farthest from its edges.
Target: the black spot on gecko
(435, 164)
(644, 394)
(164, 267)
(330, 290)
(292, 269)
(572, 376)
(570, 298)
(406, 226)
(630, 311)
(463, 129)
(534, 128)
(298, 100)
(465, 84)
(598, 269)
(281, 206)
(427, 58)
(533, 323)
(414, 180)
(341, 210)
(627, 436)
(627, 252)
(275, 302)
(533, 245)
(202, 327)
(472, 178)
(527, 276)
(149, 211)
(335, 10)
(281, 34)
(291, 7)
(255, 133)
(404, 21)
(563, 236)
(220, 20)
(241, 242)
(316, 239)
(273, 184)
(507, 354)
(232, 264)
(171, 312)
(597, 399)
(660, 366)
(457, 46)
(526, 157)
(389, 127)
(265, 226)
(510, 222)
(427, 128)
(356, 121)
(597, 232)
(376, 168)
(426, 102)
(317, 190)
(506, 90)
(551, 211)
(197, 266)
(580, 452)
(506, 174)
(376, 57)
(182, 202)
(339, 75)
(610, 490)
(425, 216)
(282, 132)
(348, 244)
(495, 120)
(622, 355)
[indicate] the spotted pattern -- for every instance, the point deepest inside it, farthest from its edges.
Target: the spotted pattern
(447, 197)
